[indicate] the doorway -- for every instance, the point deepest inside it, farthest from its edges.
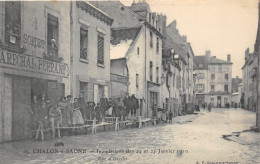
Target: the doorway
(219, 102)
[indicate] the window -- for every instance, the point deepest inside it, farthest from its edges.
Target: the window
(167, 80)
(226, 76)
(157, 45)
(100, 47)
(52, 35)
(137, 81)
(156, 24)
(219, 67)
(138, 51)
(83, 88)
(201, 76)
(212, 76)
(83, 43)
(212, 87)
(226, 88)
(13, 23)
(151, 39)
(151, 71)
(157, 74)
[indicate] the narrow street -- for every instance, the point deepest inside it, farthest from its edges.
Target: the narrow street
(198, 137)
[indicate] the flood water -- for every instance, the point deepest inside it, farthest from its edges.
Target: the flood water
(190, 139)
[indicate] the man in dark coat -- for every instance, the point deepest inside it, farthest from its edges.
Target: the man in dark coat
(135, 104)
(82, 106)
(128, 103)
(104, 105)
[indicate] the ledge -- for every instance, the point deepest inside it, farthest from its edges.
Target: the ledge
(101, 65)
(83, 60)
(12, 48)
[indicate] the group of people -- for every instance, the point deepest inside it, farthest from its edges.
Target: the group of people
(73, 112)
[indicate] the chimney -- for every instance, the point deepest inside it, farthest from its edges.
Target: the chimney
(229, 58)
(237, 77)
(213, 56)
(207, 54)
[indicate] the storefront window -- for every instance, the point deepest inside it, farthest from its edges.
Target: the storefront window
(13, 23)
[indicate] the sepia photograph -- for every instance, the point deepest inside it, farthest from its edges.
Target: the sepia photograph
(130, 81)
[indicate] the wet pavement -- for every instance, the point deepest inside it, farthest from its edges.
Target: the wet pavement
(190, 139)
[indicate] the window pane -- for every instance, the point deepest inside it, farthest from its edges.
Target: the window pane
(52, 35)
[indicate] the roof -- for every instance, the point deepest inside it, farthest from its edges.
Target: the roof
(207, 61)
(122, 15)
(119, 51)
(201, 60)
(92, 10)
(122, 40)
(218, 61)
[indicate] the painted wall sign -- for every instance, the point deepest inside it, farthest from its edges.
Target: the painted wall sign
(20, 61)
(33, 41)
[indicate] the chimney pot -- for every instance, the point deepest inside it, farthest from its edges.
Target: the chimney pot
(229, 57)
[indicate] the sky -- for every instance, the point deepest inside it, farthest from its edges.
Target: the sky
(221, 26)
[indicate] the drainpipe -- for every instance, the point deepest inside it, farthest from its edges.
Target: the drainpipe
(71, 48)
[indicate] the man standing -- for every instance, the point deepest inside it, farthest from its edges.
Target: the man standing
(56, 119)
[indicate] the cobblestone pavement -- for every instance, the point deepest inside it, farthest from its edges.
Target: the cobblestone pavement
(191, 139)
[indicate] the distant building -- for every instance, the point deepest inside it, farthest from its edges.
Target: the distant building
(236, 96)
(249, 94)
(235, 82)
(214, 84)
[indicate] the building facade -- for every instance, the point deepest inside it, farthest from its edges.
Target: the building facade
(218, 79)
(90, 52)
(35, 61)
(137, 32)
(249, 94)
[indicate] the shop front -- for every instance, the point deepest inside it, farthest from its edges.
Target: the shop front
(22, 77)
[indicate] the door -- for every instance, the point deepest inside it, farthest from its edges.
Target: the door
(52, 92)
(8, 109)
(219, 102)
(21, 121)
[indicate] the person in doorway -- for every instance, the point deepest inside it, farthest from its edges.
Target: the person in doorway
(209, 107)
(77, 118)
(34, 111)
(127, 103)
(55, 118)
(170, 117)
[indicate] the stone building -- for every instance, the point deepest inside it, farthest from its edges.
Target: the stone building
(140, 32)
(217, 86)
(183, 50)
(90, 51)
(249, 94)
(34, 60)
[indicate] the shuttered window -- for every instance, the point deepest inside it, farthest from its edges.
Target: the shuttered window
(83, 43)
(100, 48)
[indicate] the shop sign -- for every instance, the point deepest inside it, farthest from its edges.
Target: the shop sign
(33, 41)
(20, 61)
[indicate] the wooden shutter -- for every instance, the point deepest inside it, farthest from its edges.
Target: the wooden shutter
(100, 49)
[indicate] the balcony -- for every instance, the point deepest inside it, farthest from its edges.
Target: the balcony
(52, 54)
(119, 78)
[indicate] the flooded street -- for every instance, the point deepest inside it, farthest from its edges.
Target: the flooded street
(190, 139)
